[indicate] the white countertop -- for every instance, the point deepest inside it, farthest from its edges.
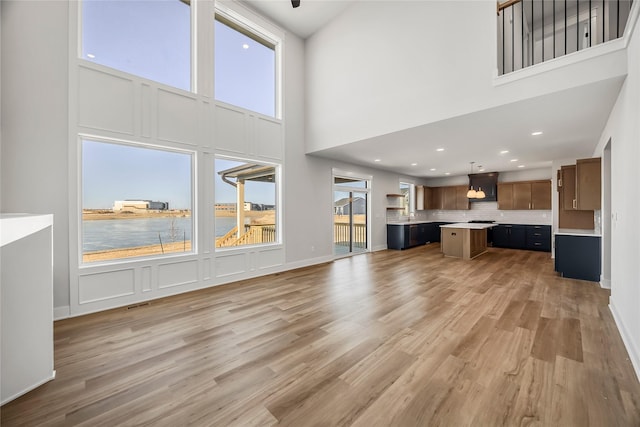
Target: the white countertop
(577, 232)
(16, 226)
(409, 222)
(469, 225)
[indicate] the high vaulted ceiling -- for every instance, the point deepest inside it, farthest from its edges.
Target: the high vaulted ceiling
(571, 120)
(304, 20)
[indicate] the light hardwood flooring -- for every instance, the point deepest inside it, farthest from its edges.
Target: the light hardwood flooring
(384, 339)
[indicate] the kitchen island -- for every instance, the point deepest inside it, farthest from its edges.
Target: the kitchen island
(464, 240)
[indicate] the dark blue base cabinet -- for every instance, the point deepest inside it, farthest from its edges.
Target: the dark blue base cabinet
(578, 257)
(514, 236)
(406, 236)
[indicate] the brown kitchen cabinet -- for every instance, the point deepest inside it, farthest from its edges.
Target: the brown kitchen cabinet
(580, 184)
(428, 198)
(524, 195)
(505, 196)
(568, 214)
(462, 202)
(450, 195)
(449, 198)
(437, 198)
(588, 186)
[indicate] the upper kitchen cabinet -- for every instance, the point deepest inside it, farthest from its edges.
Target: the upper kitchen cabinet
(525, 195)
(505, 196)
(447, 198)
(568, 217)
(580, 185)
(588, 185)
(424, 198)
(462, 202)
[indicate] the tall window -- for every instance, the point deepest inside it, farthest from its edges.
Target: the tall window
(136, 201)
(246, 195)
(245, 67)
(150, 39)
(408, 202)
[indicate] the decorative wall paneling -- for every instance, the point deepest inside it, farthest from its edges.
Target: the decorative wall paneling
(112, 105)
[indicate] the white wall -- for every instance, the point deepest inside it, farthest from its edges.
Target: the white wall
(53, 96)
(35, 119)
(623, 129)
(384, 66)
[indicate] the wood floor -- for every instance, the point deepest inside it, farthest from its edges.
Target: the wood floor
(385, 339)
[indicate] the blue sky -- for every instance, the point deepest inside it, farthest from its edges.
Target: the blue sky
(152, 39)
(113, 172)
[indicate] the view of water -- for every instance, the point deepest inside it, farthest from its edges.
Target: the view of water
(103, 235)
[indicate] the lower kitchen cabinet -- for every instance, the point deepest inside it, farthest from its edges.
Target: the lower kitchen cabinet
(509, 236)
(538, 238)
(516, 236)
(404, 236)
(578, 257)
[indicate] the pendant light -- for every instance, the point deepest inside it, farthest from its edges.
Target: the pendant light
(472, 194)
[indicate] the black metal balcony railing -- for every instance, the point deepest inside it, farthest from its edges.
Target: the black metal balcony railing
(534, 31)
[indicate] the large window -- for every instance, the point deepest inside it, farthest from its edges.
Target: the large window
(246, 195)
(136, 201)
(245, 68)
(150, 39)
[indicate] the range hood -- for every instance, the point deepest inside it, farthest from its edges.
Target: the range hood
(488, 181)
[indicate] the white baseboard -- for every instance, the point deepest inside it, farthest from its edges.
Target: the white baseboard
(626, 338)
(379, 248)
(60, 313)
(605, 283)
(306, 263)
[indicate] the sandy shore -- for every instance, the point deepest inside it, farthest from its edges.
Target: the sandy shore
(139, 251)
(90, 215)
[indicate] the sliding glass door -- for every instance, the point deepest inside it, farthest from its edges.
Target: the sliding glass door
(350, 215)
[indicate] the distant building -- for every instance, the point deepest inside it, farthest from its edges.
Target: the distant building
(139, 205)
(343, 206)
(225, 207)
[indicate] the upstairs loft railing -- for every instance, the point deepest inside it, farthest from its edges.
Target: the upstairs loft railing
(533, 31)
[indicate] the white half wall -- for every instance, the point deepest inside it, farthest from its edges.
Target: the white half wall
(35, 121)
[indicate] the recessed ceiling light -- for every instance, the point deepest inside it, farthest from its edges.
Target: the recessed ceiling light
(414, 164)
(245, 46)
(514, 160)
(432, 169)
(90, 55)
(377, 160)
(481, 169)
(520, 166)
(504, 151)
(447, 173)
(536, 133)
(439, 149)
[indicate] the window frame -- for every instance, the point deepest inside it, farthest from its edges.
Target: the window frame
(194, 201)
(278, 203)
(261, 35)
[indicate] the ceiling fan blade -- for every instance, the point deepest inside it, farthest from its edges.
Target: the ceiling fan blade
(295, 3)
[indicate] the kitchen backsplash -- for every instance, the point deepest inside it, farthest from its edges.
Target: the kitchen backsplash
(480, 211)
